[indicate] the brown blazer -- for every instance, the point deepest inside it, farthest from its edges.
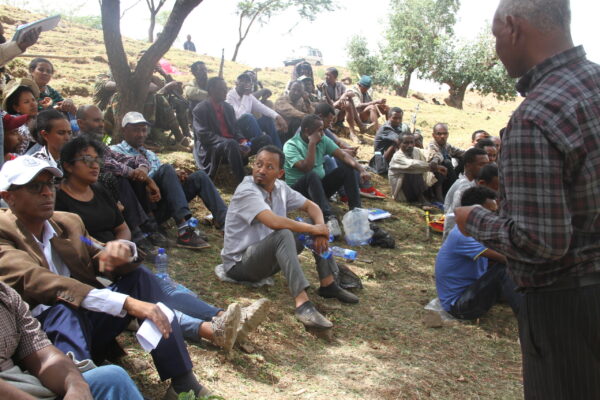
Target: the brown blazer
(24, 267)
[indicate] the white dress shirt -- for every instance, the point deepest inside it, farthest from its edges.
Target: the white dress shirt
(248, 104)
(100, 300)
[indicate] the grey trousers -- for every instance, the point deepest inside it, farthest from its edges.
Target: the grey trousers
(279, 252)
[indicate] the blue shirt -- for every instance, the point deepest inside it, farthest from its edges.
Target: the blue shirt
(125, 148)
(458, 265)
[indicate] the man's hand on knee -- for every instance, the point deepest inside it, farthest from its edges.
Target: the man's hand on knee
(144, 310)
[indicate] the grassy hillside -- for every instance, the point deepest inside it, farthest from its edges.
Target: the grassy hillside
(381, 348)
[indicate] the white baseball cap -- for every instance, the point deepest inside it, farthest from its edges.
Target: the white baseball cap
(23, 169)
(133, 117)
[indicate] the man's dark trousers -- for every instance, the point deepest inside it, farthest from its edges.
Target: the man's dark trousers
(560, 341)
(176, 195)
(88, 334)
(478, 298)
(320, 190)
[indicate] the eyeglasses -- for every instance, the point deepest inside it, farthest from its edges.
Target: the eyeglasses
(90, 161)
(36, 187)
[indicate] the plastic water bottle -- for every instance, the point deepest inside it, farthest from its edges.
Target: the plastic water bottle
(348, 254)
(331, 237)
(309, 243)
(161, 262)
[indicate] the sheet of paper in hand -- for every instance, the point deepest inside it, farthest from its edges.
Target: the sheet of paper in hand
(46, 24)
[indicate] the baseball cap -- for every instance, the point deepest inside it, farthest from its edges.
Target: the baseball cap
(23, 169)
(133, 117)
(11, 122)
(13, 85)
(365, 81)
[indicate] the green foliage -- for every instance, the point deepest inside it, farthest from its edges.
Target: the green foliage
(474, 64)
(361, 61)
(415, 31)
(91, 21)
(162, 17)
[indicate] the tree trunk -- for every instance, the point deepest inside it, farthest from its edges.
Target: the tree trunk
(132, 86)
(237, 48)
(403, 90)
(151, 28)
(456, 95)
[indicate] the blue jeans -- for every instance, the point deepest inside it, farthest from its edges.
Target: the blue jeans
(176, 195)
(111, 382)
(252, 127)
(190, 311)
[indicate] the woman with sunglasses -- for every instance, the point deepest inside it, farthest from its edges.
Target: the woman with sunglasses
(80, 194)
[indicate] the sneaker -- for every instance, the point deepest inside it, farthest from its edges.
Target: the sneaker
(372, 193)
(225, 327)
(252, 316)
(158, 239)
(334, 291)
(145, 245)
(311, 318)
(189, 239)
(171, 394)
(334, 227)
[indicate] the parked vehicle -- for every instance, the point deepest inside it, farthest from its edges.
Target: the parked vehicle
(305, 53)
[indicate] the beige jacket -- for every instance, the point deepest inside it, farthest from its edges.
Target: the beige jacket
(402, 164)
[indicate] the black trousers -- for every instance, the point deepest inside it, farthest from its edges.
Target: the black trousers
(560, 341)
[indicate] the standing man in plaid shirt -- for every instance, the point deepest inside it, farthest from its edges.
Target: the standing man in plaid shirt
(549, 221)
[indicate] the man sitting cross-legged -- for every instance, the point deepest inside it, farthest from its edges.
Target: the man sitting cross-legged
(259, 241)
(217, 136)
(409, 174)
(43, 257)
(172, 189)
(304, 171)
(369, 110)
(386, 140)
(469, 277)
(442, 152)
(49, 372)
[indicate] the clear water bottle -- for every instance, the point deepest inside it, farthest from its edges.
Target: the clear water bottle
(309, 243)
(161, 262)
(348, 254)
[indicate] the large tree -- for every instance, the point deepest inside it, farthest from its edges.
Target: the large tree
(414, 35)
(472, 65)
(261, 11)
(132, 86)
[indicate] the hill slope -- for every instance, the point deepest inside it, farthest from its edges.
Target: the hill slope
(380, 347)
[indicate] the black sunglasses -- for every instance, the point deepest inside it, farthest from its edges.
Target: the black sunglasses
(36, 187)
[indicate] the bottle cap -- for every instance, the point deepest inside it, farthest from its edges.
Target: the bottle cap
(161, 251)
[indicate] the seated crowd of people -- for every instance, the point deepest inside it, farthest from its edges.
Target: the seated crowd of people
(81, 205)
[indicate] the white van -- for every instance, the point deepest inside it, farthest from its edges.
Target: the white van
(305, 53)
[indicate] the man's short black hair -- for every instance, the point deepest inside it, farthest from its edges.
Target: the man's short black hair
(483, 143)
(324, 109)
(477, 132)
(44, 123)
(333, 71)
(196, 65)
(310, 122)
(244, 77)
(471, 155)
(394, 110)
(274, 150)
(212, 83)
(488, 173)
(477, 195)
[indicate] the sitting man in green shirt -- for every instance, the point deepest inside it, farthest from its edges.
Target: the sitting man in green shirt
(304, 171)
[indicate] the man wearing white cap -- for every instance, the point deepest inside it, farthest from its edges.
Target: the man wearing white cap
(175, 188)
(43, 257)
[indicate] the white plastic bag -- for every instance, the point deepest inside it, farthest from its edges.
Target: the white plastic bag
(356, 226)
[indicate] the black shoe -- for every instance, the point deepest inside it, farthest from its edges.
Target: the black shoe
(190, 240)
(158, 239)
(333, 291)
(145, 245)
(311, 318)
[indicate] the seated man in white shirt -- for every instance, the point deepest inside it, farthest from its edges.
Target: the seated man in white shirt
(245, 105)
(259, 239)
(43, 257)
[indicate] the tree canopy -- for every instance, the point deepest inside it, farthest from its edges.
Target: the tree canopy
(261, 11)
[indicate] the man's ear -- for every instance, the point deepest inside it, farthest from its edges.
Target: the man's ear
(7, 197)
(281, 173)
(513, 24)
